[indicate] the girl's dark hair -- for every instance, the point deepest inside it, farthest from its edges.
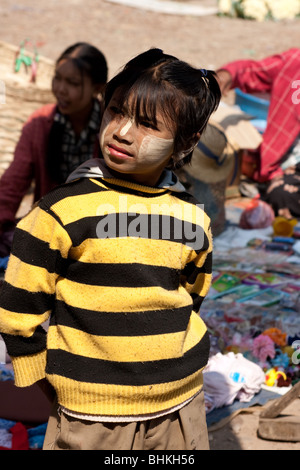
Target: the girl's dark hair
(91, 62)
(185, 95)
(88, 60)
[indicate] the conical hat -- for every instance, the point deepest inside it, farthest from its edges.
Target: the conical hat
(214, 157)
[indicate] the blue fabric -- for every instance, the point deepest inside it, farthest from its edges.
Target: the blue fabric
(260, 398)
(3, 263)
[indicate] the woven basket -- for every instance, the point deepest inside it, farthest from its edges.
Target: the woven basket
(19, 97)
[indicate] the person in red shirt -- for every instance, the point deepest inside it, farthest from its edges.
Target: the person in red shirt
(279, 152)
(57, 137)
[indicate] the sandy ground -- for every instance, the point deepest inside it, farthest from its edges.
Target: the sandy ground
(122, 32)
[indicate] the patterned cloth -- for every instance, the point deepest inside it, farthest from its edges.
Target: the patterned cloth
(278, 75)
(77, 150)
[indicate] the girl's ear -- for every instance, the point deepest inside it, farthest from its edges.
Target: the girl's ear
(191, 144)
(195, 139)
(181, 158)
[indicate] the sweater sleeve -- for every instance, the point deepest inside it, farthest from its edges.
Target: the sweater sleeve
(256, 75)
(16, 180)
(28, 164)
(197, 273)
(27, 296)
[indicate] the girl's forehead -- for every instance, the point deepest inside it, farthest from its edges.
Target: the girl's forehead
(142, 103)
(68, 67)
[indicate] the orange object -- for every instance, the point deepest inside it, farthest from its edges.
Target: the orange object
(276, 335)
(284, 227)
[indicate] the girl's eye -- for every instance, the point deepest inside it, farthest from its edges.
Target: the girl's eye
(115, 110)
(148, 125)
(58, 78)
(74, 83)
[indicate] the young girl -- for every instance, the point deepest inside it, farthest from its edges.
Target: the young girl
(57, 137)
(120, 258)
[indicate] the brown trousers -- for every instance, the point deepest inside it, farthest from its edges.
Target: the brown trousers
(184, 429)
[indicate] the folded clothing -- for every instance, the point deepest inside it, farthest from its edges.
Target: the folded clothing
(229, 377)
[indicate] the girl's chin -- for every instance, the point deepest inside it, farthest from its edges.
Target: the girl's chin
(63, 109)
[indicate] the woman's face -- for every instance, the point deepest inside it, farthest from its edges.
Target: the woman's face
(73, 91)
(139, 150)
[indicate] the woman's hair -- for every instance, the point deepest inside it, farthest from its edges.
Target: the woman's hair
(185, 95)
(90, 62)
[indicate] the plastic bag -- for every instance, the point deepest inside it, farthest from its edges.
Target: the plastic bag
(258, 214)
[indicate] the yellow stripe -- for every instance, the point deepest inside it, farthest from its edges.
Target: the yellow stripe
(74, 208)
(195, 331)
(29, 277)
(129, 250)
(201, 285)
(24, 324)
(43, 226)
(103, 399)
(127, 348)
(128, 184)
(118, 348)
(118, 299)
(29, 369)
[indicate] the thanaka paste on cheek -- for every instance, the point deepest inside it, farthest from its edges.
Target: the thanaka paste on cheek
(155, 149)
(104, 124)
(121, 130)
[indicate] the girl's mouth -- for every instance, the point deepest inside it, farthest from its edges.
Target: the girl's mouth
(62, 104)
(118, 152)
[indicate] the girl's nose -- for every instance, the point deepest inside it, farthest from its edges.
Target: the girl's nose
(127, 126)
(60, 87)
(124, 129)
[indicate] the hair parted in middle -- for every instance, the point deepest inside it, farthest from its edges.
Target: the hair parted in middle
(185, 96)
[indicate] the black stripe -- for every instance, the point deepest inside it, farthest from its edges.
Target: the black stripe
(122, 324)
(197, 301)
(147, 226)
(21, 346)
(98, 371)
(188, 197)
(74, 188)
(191, 271)
(119, 275)
(33, 251)
(19, 300)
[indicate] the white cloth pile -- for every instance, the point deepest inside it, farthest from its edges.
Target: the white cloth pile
(228, 377)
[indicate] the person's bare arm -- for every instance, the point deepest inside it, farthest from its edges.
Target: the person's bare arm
(225, 81)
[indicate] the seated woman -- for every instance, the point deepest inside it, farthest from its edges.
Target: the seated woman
(57, 137)
(279, 152)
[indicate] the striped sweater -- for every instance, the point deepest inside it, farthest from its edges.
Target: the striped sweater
(120, 271)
